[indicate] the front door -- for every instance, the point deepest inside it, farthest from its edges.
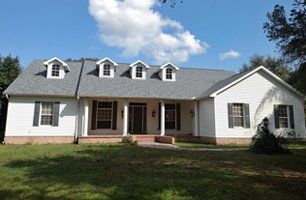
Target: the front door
(137, 119)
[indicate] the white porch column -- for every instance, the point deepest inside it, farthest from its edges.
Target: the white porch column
(125, 117)
(85, 117)
(196, 118)
(162, 118)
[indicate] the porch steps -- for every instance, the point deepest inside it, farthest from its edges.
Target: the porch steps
(99, 139)
(144, 138)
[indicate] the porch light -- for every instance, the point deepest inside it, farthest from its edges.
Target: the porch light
(153, 113)
(122, 114)
(191, 113)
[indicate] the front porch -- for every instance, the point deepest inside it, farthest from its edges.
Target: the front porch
(115, 117)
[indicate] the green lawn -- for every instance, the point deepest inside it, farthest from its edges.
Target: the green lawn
(208, 146)
(132, 172)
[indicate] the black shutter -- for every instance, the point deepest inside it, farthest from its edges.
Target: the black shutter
(114, 124)
(159, 110)
(36, 113)
(246, 116)
(276, 116)
(178, 116)
(94, 115)
(55, 118)
(230, 115)
(291, 114)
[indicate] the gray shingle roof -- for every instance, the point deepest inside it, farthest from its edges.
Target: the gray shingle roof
(189, 82)
(33, 81)
(220, 84)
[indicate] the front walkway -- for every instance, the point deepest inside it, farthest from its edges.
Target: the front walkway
(171, 146)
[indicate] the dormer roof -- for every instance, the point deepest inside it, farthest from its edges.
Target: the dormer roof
(107, 59)
(172, 65)
(65, 65)
(139, 61)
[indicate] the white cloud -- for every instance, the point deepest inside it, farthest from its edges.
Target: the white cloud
(135, 27)
(229, 54)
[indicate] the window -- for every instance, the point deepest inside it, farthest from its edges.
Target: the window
(55, 70)
(169, 74)
(238, 114)
(138, 72)
(106, 70)
(283, 116)
(104, 116)
(170, 116)
(46, 113)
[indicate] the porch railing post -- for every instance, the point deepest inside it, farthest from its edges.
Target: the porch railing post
(196, 118)
(125, 117)
(86, 113)
(162, 118)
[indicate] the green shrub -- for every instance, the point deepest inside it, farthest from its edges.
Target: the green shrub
(128, 140)
(265, 142)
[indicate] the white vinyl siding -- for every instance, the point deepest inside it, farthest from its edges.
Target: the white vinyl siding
(21, 114)
(261, 92)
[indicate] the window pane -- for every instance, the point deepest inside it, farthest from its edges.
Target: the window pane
(238, 114)
(139, 72)
(104, 115)
(55, 70)
(168, 73)
(106, 70)
(104, 124)
(283, 116)
(105, 105)
(170, 116)
(46, 120)
(47, 108)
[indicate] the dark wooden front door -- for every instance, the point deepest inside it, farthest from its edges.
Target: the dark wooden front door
(137, 119)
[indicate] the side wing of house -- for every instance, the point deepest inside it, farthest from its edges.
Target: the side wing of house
(240, 108)
(52, 118)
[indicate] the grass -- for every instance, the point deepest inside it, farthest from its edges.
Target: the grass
(208, 146)
(132, 172)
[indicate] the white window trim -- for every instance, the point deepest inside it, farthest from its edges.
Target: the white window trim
(110, 69)
(238, 127)
(59, 70)
(96, 125)
(142, 72)
(288, 118)
(175, 115)
(40, 114)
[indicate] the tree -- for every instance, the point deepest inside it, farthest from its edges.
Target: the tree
(9, 70)
(277, 66)
(289, 33)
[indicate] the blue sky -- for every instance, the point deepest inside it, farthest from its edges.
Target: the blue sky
(41, 29)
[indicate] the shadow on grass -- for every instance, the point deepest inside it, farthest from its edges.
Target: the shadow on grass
(131, 172)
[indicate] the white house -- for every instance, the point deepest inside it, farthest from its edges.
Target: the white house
(58, 102)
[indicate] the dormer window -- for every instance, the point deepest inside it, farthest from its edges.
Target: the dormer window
(168, 71)
(169, 74)
(106, 69)
(55, 70)
(139, 72)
